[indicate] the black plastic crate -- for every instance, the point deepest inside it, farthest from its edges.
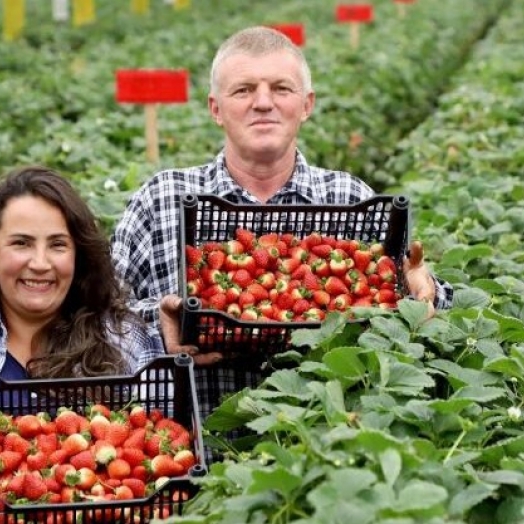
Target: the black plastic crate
(209, 218)
(167, 383)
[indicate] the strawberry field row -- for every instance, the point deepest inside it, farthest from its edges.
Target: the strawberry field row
(410, 421)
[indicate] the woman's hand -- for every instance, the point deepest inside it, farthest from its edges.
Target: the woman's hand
(419, 280)
(170, 307)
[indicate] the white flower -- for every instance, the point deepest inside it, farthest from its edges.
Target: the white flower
(514, 413)
(110, 184)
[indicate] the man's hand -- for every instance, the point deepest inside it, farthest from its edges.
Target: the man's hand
(420, 283)
(170, 307)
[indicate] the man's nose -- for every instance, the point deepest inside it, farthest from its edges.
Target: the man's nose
(263, 98)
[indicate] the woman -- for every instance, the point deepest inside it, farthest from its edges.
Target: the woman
(62, 313)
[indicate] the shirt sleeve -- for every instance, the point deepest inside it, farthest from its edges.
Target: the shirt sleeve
(443, 294)
(131, 244)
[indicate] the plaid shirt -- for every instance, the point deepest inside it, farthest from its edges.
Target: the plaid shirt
(145, 243)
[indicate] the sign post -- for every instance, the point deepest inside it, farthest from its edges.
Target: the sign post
(354, 14)
(401, 7)
(150, 87)
(295, 32)
(14, 19)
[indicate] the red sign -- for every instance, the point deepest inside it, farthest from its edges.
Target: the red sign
(295, 32)
(354, 13)
(152, 86)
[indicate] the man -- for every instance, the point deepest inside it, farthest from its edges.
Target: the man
(260, 95)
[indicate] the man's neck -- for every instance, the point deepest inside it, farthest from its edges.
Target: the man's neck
(261, 179)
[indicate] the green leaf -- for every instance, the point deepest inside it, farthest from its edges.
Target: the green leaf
(470, 298)
(479, 393)
(331, 397)
(460, 256)
(469, 497)
(280, 480)
(391, 464)
(345, 362)
(419, 496)
(407, 379)
(413, 311)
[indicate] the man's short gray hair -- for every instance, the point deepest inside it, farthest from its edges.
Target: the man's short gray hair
(256, 41)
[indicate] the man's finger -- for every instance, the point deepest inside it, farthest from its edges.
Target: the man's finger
(416, 253)
(207, 359)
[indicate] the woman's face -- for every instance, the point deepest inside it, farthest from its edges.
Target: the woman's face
(37, 259)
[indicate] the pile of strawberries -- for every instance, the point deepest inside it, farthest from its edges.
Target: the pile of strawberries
(103, 455)
(285, 278)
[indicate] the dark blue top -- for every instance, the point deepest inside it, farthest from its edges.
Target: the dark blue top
(13, 370)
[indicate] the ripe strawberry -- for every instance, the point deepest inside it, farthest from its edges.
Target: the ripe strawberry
(311, 282)
(335, 286)
(15, 485)
(342, 302)
(234, 310)
(314, 314)
(377, 250)
(99, 409)
(104, 451)
(387, 296)
(133, 456)
(321, 297)
(242, 278)
(61, 471)
(288, 265)
(268, 239)
(312, 240)
(364, 301)
(139, 472)
(261, 257)
(10, 460)
(267, 280)
(84, 479)
(123, 493)
(285, 301)
(194, 287)
(98, 426)
(217, 301)
(247, 262)
(246, 299)
(258, 291)
(119, 469)
(233, 247)
(250, 313)
(215, 259)
(34, 486)
(386, 269)
(74, 444)
(299, 253)
(362, 257)
(28, 426)
(14, 442)
(289, 239)
(322, 250)
(67, 422)
(137, 486)
(164, 466)
(118, 431)
(58, 457)
(185, 458)
(84, 459)
(245, 237)
(37, 461)
(137, 437)
(337, 263)
(349, 246)
(320, 267)
(301, 306)
(212, 246)
(194, 256)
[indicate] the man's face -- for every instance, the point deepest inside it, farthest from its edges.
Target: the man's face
(260, 102)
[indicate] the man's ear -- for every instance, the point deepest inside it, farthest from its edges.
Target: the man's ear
(309, 105)
(214, 110)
